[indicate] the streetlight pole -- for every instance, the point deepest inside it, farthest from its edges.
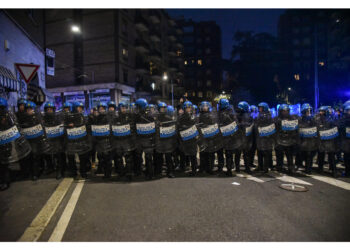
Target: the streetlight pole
(316, 70)
(165, 77)
(172, 92)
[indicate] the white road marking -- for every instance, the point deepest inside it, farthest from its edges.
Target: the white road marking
(331, 181)
(250, 177)
(236, 183)
(289, 179)
(62, 224)
(38, 225)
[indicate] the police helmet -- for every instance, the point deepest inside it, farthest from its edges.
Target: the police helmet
(3, 102)
(244, 106)
(265, 106)
(141, 103)
(187, 104)
(224, 104)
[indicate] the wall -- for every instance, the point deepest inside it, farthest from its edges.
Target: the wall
(22, 49)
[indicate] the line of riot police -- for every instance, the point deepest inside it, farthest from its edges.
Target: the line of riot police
(142, 132)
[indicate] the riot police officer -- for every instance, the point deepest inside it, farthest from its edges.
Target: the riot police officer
(166, 140)
(21, 108)
(231, 135)
(254, 114)
(101, 132)
(345, 138)
(188, 135)
(308, 136)
(152, 109)
(210, 141)
(112, 107)
(66, 110)
(54, 129)
(118, 161)
(196, 111)
(328, 139)
(78, 138)
(246, 126)
(265, 130)
(32, 129)
(13, 145)
(19, 115)
(286, 137)
(145, 129)
(176, 154)
(93, 153)
(123, 139)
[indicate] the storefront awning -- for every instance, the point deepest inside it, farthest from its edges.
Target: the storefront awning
(8, 80)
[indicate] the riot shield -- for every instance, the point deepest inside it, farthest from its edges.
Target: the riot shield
(13, 145)
(78, 140)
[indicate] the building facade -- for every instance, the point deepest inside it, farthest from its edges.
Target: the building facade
(22, 41)
(159, 55)
(93, 61)
(109, 54)
(202, 59)
(317, 51)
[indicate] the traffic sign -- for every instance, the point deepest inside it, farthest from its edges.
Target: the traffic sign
(27, 71)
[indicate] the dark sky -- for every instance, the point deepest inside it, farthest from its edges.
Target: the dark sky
(231, 20)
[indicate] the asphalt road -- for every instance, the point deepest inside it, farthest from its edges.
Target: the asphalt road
(203, 208)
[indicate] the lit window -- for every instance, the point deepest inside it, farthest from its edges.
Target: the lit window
(297, 77)
(178, 53)
(185, 62)
(200, 94)
(199, 61)
(321, 64)
(194, 94)
(125, 52)
(192, 61)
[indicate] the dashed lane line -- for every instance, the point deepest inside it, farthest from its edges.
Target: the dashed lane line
(38, 225)
(63, 222)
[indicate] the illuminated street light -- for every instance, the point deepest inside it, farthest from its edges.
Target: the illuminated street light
(75, 29)
(289, 88)
(153, 85)
(165, 76)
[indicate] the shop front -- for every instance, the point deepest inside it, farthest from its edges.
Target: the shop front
(91, 94)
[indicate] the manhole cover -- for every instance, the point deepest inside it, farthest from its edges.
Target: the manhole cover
(293, 187)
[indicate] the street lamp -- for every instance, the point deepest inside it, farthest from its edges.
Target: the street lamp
(165, 77)
(153, 85)
(75, 29)
(289, 88)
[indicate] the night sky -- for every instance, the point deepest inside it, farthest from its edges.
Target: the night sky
(232, 20)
